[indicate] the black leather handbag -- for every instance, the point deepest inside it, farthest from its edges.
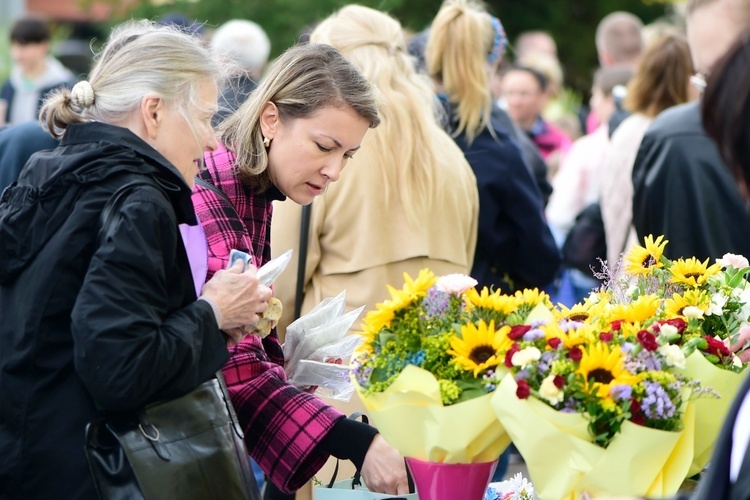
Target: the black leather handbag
(188, 448)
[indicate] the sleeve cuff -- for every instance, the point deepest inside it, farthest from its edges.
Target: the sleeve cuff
(214, 307)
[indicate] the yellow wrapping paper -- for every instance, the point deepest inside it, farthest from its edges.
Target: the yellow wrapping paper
(710, 412)
(564, 464)
(411, 417)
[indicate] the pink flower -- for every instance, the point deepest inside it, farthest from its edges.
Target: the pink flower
(730, 259)
(455, 284)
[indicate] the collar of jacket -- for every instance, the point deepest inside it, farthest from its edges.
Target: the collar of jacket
(164, 173)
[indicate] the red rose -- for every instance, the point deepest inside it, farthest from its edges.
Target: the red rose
(575, 353)
(617, 324)
(518, 331)
(678, 323)
(509, 355)
(559, 381)
(716, 347)
(636, 415)
(647, 340)
(523, 391)
(554, 342)
(606, 336)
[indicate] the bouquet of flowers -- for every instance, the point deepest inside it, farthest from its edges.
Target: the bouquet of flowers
(705, 310)
(599, 390)
(429, 362)
(515, 488)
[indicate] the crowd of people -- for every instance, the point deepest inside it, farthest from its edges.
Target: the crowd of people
(461, 161)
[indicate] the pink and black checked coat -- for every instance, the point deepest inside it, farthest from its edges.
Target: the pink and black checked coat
(283, 425)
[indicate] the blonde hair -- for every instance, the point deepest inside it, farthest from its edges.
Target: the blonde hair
(404, 146)
(140, 58)
(460, 38)
(662, 78)
(301, 81)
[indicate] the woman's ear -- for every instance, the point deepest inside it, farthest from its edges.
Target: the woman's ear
(152, 110)
(269, 119)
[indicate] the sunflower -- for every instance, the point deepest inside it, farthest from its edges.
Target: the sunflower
(641, 309)
(582, 334)
(603, 368)
(419, 286)
(478, 348)
(641, 260)
(581, 312)
(375, 321)
(495, 301)
(696, 298)
(692, 272)
(532, 298)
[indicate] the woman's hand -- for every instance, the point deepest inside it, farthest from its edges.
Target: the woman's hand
(384, 470)
(238, 296)
(742, 340)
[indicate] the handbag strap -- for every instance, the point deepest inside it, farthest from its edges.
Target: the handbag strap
(227, 401)
(112, 207)
(356, 480)
(304, 240)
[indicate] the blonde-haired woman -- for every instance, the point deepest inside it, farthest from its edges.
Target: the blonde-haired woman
(99, 319)
(407, 201)
(290, 139)
(515, 248)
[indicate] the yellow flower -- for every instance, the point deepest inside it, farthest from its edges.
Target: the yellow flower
(478, 347)
(692, 272)
(584, 334)
(603, 368)
(419, 286)
(641, 260)
(641, 309)
(581, 312)
(495, 301)
(532, 297)
(695, 298)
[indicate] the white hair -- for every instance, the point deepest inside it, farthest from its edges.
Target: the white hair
(242, 44)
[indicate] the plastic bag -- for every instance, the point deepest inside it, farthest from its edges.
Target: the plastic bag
(271, 270)
(328, 369)
(326, 310)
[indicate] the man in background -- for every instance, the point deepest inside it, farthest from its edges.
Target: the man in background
(34, 74)
(244, 47)
(682, 188)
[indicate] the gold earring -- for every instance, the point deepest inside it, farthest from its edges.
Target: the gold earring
(266, 141)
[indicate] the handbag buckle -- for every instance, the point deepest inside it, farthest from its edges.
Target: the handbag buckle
(146, 434)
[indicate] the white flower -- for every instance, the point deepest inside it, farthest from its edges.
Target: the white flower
(526, 356)
(730, 259)
(455, 284)
(673, 355)
(745, 299)
(515, 488)
(594, 298)
(692, 312)
(549, 391)
(668, 329)
(632, 291)
(718, 301)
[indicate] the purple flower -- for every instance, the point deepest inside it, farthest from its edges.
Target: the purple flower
(657, 403)
(522, 375)
(621, 392)
(546, 361)
(436, 302)
(533, 334)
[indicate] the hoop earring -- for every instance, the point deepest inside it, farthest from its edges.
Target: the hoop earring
(266, 142)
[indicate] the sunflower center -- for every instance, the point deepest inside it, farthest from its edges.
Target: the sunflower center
(693, 275)
(481, 353)
(601, 375)
(579, 316)
(649, 261)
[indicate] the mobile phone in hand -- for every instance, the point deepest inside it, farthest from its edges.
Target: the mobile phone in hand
(246, 258)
